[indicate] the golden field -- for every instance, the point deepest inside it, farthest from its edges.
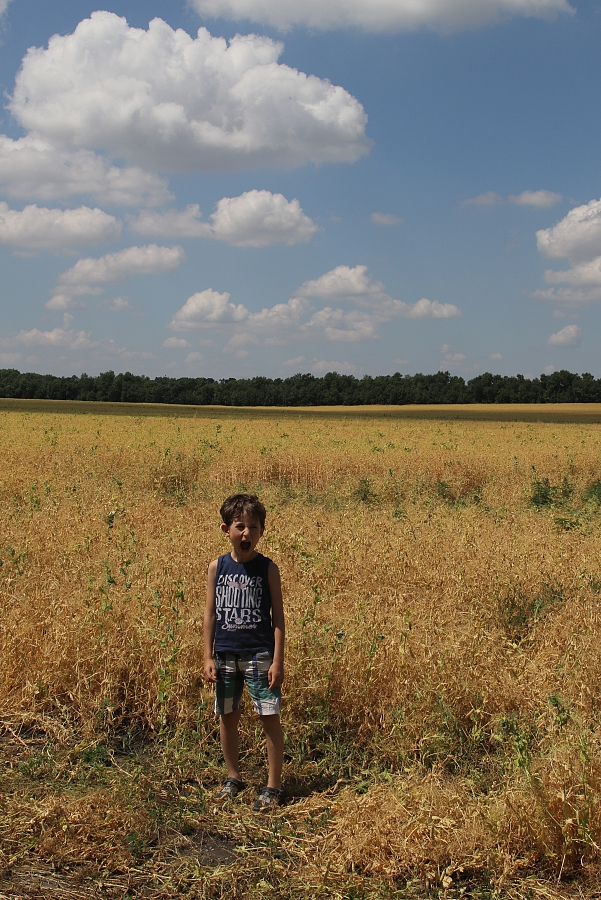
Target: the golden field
(442, 582)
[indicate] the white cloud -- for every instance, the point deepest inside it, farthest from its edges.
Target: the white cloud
(61, 338)
(7, 360)
(118, 304)
(585, 274)
(342, 368)
(296, 361)
(576, 236)
(32, 167)
(400, 362)
(173, 343)
(206, 309)
(379, 218)
(194, 358)
(254, 219)
(497, 357)
(567, 337)
(52, 229)
(161, 99)
(489, 198)
(379, 15)
(541, 199)
(85, 276)
(355, 284)
(298, 319)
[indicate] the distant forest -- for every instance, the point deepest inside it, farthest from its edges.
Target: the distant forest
(305, 390)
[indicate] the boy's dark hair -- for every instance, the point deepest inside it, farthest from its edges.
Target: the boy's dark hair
(242, 503)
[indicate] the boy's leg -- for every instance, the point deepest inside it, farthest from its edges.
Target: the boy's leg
(274, 738)
(228, 732)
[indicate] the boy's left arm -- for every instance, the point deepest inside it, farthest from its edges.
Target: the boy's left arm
(275, 676)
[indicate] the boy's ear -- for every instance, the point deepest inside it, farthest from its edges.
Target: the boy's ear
(224, 528)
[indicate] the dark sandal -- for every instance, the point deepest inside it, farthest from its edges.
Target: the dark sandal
(231, 788)
(268, 799)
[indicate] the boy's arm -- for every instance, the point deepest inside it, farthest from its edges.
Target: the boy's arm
(275, 675)
(210, 672)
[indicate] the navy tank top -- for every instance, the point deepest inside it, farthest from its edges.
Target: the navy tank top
(243, 606)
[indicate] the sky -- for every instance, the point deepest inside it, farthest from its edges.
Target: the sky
(231, 188)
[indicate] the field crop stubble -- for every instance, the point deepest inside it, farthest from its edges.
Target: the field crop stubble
(443, 673)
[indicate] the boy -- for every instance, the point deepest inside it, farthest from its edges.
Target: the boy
(244, 642)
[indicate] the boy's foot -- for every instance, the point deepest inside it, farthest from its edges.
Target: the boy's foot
(268, 799)
(231, 788)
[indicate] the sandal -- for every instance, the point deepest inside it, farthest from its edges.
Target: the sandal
(268, 799)
(231, 788)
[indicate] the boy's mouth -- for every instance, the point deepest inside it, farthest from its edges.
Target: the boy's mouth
(245, 546)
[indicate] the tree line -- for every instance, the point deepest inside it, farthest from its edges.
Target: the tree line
(305, 389)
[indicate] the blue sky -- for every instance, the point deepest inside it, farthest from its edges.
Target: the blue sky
(366, 186)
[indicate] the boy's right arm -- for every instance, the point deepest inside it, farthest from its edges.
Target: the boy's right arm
(210, 672)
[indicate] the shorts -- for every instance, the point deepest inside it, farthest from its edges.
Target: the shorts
(233, 669)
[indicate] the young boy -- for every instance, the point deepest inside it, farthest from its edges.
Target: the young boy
(244, 642)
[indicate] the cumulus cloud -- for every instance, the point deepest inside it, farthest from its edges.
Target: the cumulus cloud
(173, 343)
(379, 218)
(33, 167)
(576, 236)
(161, 99)
(541, 199)
(567, 337)
(356, 285)
(65, 337)
(88, 273)
(52, 229)
(254, 219)
(206, 309)
(298, 318)
(342, 368)
(497, 357)
(379, 15)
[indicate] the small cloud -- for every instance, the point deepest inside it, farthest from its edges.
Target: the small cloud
(401, 362)
(489, 198)
(295, 362)
(541, 199)
(173, 343)
(379, 218)
(193, 358)
(119, 303)
(496, 356)
(342, 368)
(567, 337)
(548, 370)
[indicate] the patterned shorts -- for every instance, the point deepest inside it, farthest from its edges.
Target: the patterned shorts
(233, 669)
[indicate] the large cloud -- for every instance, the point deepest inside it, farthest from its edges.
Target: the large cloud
(32, 167)
(577, 236)
(87, 274)
(254, 219)
(567, 337)
(51, 229)
(161, 99)
(379, 15)
(298, 318)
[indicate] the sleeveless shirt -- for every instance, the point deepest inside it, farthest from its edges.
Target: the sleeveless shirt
(243, 606)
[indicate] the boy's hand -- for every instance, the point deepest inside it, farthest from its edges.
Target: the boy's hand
(275, 675)
(210, 671)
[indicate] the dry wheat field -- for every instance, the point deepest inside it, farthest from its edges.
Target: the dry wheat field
(442, 584)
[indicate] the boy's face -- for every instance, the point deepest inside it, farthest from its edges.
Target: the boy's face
(243, 534)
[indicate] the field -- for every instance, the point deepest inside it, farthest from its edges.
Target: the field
(442, 582)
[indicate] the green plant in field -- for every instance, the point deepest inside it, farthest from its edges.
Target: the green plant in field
(592, 494)
(365, 492)
(519, 610)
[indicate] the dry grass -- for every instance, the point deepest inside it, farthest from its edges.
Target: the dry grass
(442, 584)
